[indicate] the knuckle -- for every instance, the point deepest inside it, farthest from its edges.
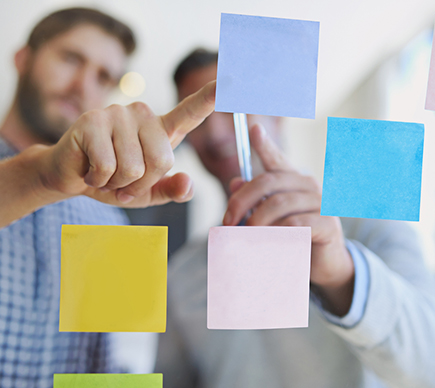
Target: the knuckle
(95, 117)
(116, 109)
(277, 200)
(142, 109)
(132, 172)
(105, 168)
(266, 179)
(117, 112)
(167, 162)
(162, 162)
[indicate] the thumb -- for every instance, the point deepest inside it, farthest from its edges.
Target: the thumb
(270, 155)
(177, 188)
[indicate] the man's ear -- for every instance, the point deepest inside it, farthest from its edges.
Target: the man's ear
(22, 58)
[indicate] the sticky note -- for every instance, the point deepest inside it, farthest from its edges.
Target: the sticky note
(258, 277)
(430, 95)
(267, 66)
(373, 169)
(113, 278)
(97, 380)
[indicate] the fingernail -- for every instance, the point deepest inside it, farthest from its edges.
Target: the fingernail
(227, 218)
(189, 193)
(124, 198)
(104, 189)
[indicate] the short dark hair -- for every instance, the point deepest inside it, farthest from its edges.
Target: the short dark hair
(61, 21)
(197, 59)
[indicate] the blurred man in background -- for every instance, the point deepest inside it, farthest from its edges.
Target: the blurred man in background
(372, 310)
(57, 160)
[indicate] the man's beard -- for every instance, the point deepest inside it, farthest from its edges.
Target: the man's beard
(31, 110)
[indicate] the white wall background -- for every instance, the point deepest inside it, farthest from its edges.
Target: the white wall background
(355, 36)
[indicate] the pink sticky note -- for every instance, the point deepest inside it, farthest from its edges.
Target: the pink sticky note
(430, 95)
(258, 277)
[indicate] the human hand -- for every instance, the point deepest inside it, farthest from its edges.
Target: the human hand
(283, 197)
(120, 155)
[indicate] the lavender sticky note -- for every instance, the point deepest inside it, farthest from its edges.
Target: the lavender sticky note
(258, 277)
(373, 169)
(267, 66)
(430, 95)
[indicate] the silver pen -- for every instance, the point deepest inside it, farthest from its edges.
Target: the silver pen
(243, 150)
(243, 145)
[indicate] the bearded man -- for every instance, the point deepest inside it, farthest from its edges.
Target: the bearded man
(62, 154)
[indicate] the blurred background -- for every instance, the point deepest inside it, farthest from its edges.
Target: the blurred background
(373, 63)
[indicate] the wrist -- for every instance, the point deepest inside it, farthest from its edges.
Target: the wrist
(35, 163)
(23, 191)
(337, 288)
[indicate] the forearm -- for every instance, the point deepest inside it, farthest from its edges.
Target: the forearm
(22, 190)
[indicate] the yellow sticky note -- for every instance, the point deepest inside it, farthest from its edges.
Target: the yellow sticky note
(113, 278)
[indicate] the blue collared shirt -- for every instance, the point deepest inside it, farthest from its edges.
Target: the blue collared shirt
(31, 346)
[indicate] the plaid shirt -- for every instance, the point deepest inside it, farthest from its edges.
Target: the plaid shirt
(31, 346)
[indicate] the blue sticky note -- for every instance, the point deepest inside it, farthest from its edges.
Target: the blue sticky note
(267, 66)
(373, 169)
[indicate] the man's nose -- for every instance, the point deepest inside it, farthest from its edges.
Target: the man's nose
(85, 85)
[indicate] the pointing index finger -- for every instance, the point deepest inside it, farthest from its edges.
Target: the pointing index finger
(189, 113)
